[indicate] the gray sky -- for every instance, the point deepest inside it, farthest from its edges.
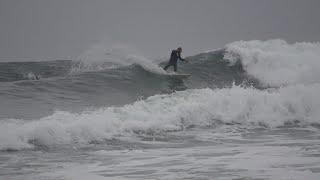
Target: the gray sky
(44, 29)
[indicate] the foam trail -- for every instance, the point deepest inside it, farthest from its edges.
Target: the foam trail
(171, 112)
(277, 63)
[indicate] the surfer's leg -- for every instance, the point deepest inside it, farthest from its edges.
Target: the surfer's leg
(175, 67)
(166, 67)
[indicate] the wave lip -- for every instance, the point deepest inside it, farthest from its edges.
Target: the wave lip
(294, 105)
(276, 62)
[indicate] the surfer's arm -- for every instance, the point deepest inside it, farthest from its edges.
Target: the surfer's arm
(183, 59)
(179, 57)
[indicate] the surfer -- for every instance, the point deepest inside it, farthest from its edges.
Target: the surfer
(175, 55)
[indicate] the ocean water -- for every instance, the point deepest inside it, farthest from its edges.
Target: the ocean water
(250, 110)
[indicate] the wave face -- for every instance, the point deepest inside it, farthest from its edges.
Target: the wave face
(87, 102)
(77, 85)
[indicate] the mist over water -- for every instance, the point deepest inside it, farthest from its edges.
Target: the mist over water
(112, 100)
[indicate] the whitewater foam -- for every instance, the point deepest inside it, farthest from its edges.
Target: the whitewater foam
(276, 62)
(293, 105)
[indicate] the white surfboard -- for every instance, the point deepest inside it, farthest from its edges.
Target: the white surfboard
(177, 75)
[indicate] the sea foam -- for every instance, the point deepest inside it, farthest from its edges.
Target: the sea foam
(293, 105)
(276, 62)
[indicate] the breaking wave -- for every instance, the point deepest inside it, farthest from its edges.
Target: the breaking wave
(227, 87)
(277, 63)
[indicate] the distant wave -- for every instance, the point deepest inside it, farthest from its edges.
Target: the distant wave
(17, 71)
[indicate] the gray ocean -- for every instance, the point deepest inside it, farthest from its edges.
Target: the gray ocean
(250, 110)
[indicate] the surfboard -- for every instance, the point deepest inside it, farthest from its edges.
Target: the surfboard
(179, 75)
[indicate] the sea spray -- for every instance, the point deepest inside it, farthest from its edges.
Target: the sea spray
(101, 56)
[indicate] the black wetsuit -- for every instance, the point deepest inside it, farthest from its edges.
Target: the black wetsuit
(175, 55)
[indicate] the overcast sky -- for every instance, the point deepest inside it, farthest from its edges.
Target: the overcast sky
(45, 29)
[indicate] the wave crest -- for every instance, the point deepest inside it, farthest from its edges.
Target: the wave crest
(100, 57)
(277, 63)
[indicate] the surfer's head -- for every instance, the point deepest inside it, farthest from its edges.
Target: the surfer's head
(179, 49)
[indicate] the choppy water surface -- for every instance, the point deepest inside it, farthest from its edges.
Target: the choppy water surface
(248, 111)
